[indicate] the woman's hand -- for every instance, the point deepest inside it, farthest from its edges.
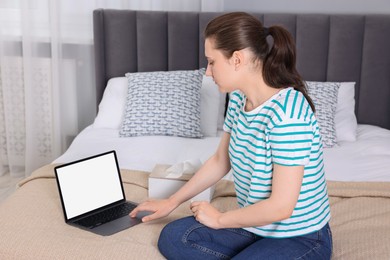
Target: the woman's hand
(159, 209)
(206, 214)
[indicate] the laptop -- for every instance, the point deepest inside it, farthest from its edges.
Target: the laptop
(92, 195)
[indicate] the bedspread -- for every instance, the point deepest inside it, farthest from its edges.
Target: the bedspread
(32, 224)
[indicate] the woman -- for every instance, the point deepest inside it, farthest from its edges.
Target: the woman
(273, 145)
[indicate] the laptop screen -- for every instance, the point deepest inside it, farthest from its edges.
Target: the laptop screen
(89, 184)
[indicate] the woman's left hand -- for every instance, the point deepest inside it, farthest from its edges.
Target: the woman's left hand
(206, 214)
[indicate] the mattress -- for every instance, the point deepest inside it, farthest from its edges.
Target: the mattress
(366, 159)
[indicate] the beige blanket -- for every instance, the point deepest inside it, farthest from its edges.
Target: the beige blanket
(32, 224)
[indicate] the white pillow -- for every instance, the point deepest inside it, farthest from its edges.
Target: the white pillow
(221, 102)
(112, 106)
(163, 103)
(345, 118)
(324, 96)
(209, 106)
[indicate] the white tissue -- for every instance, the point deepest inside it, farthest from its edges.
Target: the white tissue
(186, 167)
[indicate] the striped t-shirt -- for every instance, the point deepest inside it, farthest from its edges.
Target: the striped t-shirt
(284, 131)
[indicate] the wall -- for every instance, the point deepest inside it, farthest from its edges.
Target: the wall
(310, 6)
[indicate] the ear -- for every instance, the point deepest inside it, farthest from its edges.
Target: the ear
(238, 59)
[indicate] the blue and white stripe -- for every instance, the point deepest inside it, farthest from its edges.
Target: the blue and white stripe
(282, 131)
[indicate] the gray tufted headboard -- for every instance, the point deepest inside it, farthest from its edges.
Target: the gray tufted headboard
(329, 48)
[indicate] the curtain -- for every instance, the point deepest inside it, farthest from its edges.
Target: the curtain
(47, 91)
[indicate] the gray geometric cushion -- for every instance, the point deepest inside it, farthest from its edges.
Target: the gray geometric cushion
(163, 103)
(324, 96)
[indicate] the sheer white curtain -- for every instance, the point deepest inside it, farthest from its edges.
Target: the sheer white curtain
(47, 74)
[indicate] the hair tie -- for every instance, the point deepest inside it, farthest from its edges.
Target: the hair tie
(266, 31)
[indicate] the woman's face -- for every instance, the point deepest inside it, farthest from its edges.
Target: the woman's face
(219, 67)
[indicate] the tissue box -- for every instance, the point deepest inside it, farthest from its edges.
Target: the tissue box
(161, 187)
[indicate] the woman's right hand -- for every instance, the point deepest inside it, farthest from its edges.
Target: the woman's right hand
(158, 209)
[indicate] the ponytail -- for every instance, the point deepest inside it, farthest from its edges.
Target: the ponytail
(239, 30)
(279, 66)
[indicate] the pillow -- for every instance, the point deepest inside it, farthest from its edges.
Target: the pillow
(112, 105)
(209, 106)
(219, 106)
(163, 103)
(324, 96)
(345, 118)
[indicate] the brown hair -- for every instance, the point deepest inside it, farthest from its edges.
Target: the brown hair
(239, 30)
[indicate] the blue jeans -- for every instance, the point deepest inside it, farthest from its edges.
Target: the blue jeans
(186, 238)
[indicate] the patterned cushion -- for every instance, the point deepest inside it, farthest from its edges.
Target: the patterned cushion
(324, 96)
(163, 103)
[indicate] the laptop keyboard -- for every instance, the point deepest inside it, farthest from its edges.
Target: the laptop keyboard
(107, 215)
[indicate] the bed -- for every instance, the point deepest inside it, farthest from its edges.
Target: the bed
(350, 50)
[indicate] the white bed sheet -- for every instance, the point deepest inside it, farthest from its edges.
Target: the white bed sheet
(139, 153)
(366, 159)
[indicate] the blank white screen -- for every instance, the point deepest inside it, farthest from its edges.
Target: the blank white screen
(89, 185)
